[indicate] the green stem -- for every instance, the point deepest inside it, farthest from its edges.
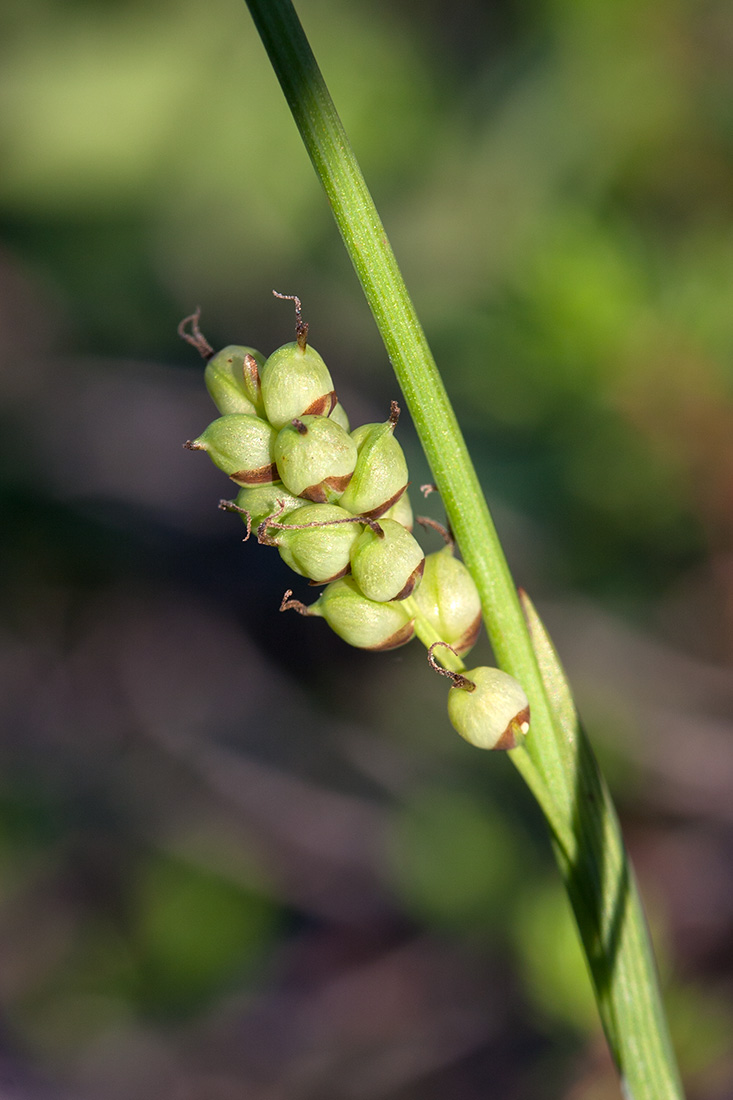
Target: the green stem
(557, 761)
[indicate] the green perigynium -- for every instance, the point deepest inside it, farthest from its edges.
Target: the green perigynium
(381, 476)
(232, 377)
(402, 512)
(448, 599)
(387, 562)
(338, 415)
(241, 445)
(315, 458)
(295, 380)
(315, 540)
(488, 708)
(359, 621)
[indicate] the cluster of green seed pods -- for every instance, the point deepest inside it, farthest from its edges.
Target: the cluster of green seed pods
(334, 502)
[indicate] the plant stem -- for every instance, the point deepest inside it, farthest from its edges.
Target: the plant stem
(556, 760)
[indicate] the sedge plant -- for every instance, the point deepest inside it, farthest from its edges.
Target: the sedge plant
(334, 503)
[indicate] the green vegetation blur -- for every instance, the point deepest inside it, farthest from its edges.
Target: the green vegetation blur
(236, 858)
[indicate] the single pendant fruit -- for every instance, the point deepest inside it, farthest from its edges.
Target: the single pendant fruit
(488, 708)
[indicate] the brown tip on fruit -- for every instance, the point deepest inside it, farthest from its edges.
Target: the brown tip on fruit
(316, 493)
(507, 740)
(320, 493)
(299, 426)
(251, 370)
(338, 484)
(412, 581)
(375, 513)
(468, 638)
(522, 721)
(394, 414)
(400, 637)
(322, 406)
(263, 475)
(194, 445)
(341, 573)
(511, 736)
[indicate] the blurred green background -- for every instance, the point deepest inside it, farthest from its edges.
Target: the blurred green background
(238, 859)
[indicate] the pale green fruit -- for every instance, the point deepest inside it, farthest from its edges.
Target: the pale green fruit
(338, 414)
(495, 714)
(296, 382)
(262, 501)
(232, 379)
(240, 445)
(315, 458)
(362, 622)
(381, 475)
(448, 598)
(387, 566)
(320, 553)
(402, 512)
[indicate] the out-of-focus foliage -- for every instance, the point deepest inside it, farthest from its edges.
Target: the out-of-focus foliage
(456, 862)
(553, 963)
(236, 857)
